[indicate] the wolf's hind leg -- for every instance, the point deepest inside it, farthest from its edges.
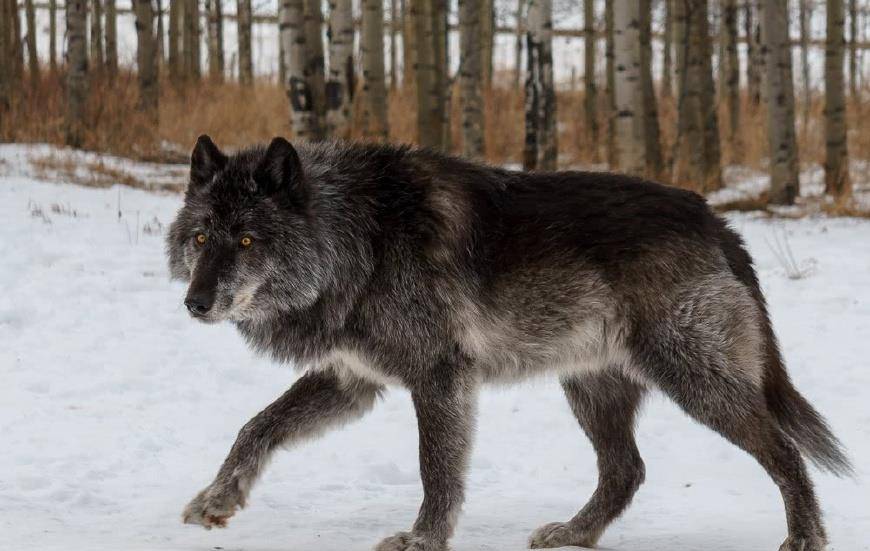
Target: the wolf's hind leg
(319, 400)
(710, 388)
(605, 405)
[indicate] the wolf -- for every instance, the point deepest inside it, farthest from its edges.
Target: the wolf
(370, 265)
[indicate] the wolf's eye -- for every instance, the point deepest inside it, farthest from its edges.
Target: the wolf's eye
(201, 239)
(246, 241)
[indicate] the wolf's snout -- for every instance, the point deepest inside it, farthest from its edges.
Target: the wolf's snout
(198, 305)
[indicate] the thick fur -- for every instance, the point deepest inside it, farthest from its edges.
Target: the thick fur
(374, 265)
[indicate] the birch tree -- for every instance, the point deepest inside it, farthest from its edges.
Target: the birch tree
(112, 37)
(97, 59)
(214, 13)
(470, 74)
(303, 117)
(161, 41)
(590, 98)
(243, 22)
(146, 58)
(394, 77)
(374, 116)
(540, 148)
(631, 147)
(441, 87)
(732, 76)
(77, 71)
(836, 157)
(341, 78)
(784, 179)
(32, 57)
(518, 45)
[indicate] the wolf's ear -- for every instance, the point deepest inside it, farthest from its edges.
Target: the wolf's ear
(280, 171)
(205, 161)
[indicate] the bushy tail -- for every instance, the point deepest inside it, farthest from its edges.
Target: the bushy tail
(802, 422)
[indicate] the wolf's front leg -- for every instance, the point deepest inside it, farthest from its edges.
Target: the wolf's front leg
(319, 400)
(445, 417)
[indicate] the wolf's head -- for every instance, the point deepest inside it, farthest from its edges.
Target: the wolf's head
(245, 239)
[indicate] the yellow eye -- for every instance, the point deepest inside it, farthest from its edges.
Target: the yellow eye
(246, 241)
(201, 239)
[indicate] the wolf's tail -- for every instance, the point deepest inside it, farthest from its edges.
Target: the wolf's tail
(799, 419)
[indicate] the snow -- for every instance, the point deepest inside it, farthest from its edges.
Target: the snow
(116, 408)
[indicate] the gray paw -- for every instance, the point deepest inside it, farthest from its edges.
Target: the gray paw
(408, 541)
(560, 534)
(214, 506)
(813, 543)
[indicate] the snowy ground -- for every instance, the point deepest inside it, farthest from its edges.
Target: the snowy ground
(116, 408)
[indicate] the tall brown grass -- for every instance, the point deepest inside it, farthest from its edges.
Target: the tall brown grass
(235, 116)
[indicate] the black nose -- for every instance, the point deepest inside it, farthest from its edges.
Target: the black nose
(198, 306)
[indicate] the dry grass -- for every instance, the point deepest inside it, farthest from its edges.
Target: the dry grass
(235, 116)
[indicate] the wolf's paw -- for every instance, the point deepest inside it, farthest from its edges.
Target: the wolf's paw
(813, 543)
(213, 506)
(408, 541)
(560, 534)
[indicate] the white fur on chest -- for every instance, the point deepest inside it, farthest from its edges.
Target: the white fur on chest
(352, 364)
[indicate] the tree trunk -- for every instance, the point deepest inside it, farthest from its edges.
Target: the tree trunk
(518, 45)
(409, 46)
(112, 37)
(612, 160)
(590, 99)
(17, 50)
(732, 78)
(52, 35)
(243, 20)
(836, 157)
(651, 131)
(853, 48)
(32, 57)
(191, 40)
(394, 78)
(175, 9)
(146, 59)
(97, 57)
(667, 48)
(754, 59)
(215, 35)
(697, 151)
(487, 39)
(374, 117)
(341, 82)
(470, 73)
(5, 58)
(315, 67)
(440, 52)
(77, 71)
(161, 42)
(631, 150)
(303, 117)
(428, 108)
(784, 179)
(805, 16)
(540, 103)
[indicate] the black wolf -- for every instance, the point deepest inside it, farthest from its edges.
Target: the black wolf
(372, 265)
